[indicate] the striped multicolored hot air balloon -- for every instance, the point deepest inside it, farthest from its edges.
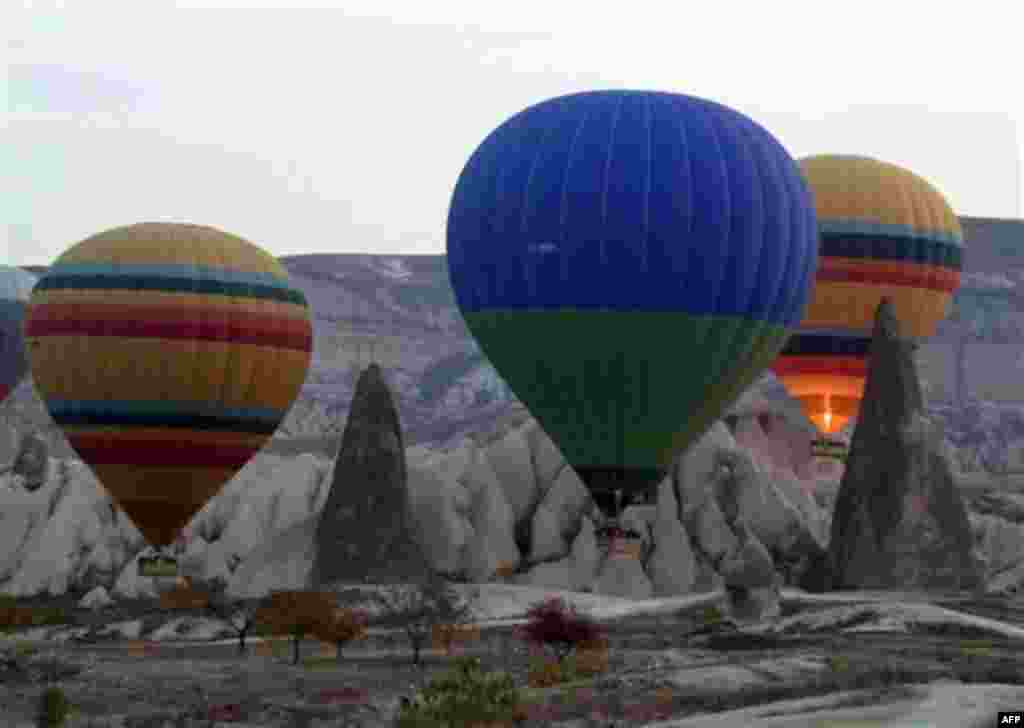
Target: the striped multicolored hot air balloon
(884, 233)
(169, 354)
(15, 289)
(630, 262)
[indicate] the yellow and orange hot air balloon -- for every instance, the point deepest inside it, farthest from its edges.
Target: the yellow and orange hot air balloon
(169, 354)
(884, 232)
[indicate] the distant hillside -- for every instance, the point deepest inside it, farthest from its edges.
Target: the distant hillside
(400, 310)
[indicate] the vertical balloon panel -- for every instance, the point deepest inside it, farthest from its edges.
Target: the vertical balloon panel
(168, 354)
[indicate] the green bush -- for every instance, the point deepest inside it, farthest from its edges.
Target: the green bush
(838, 663)
(463, 696)
(24, 649)
(49, 617)
(711, 615)
(53, 707)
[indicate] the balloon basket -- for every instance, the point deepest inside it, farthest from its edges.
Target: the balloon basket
(158, 566)
(831, 449)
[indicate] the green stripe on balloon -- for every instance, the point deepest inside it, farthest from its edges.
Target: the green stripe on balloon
(642, 428)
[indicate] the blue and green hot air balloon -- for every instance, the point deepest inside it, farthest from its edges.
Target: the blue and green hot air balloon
(15, 290)
(630, 262)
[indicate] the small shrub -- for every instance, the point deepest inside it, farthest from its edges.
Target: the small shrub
(557, 625)
(296, 614)
(226, 712)
(975, 648)
(143, 648)
(537, 712)
(546, 673)
(590, 658)
(275, 647)
(24, 649)
(838, 663)
(16, 616)
(447, 636)
(53, 708)
(13, 616)
(711, 616)
(464, 696)
(341, 626)
(184, 597)
(505, 570)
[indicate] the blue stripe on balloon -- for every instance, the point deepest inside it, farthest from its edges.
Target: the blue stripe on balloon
(633, 201)
(171, 272)
(882, 248)
(191, 415)
(869, 228)
(827, 342)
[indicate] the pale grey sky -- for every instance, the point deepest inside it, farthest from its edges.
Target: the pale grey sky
(342, 127)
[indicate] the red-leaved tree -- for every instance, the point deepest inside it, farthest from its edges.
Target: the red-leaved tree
(558, 626)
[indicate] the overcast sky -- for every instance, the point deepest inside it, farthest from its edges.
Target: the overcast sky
(343, 128)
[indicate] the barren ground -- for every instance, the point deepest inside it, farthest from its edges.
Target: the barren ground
(671, 666)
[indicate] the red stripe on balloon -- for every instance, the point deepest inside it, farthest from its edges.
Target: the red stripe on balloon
(926, 277)
(145, 322)
(839, 365)
(147, 453)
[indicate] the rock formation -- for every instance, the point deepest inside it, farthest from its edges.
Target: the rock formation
(31, 461)
(899, 520)
(366, 530)
(751, 582)
(508, 509)
(713, 482)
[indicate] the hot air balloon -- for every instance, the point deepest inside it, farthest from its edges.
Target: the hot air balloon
(629, 262)
(15, 289)
(169, 354)
(884, 233)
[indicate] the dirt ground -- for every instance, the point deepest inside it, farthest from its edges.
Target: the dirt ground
(660, 667)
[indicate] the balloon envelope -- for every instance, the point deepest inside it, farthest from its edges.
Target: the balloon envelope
(884, 233)
(15, 289)
(169, 354)
(630, 262)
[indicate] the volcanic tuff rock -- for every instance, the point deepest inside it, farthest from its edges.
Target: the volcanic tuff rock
(96, 599)
(623, 576)
(507, 502)
(672, 566)
(747, 568)
(899, 520)
(31, 461)
(365, 530)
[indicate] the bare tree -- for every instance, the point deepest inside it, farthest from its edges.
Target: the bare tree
(238, 614)
(420, 607)
(296, 614)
